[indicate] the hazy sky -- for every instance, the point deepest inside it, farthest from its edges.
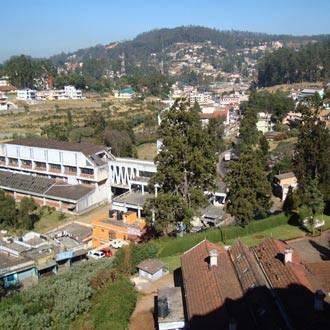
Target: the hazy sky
(46, 27)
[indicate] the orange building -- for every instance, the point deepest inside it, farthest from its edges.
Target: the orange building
(129, 228)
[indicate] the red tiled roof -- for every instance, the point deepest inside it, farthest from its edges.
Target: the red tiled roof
(291, 282)
(319, 275)
(7, 88)
(214, 294)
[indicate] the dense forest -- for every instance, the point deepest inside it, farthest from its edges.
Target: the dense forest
(284, 66)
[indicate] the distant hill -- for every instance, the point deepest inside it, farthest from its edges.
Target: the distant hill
(155, 42)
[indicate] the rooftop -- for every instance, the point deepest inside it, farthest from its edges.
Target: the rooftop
(84, 147)
(42, 186)
(287, 175)
(175, 305)
(151, 266)
(73, 230)
(69, 192)
(8, 262)
(132, 198)
(213, 294)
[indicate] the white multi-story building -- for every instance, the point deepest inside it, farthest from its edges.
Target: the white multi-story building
(26, 94)
(72, 93)
(69, 92)
(69, 176)
(264, 123)
(201, 98)
(74, 164)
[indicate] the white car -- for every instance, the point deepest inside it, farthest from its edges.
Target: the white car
(117, 243)
(95, 254)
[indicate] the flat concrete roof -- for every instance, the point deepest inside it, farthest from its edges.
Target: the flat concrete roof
(212, 211)
(175, 305)
(79, 232)
(8, 261)
(133, 198)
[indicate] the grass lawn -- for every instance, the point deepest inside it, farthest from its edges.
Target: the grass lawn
(172, 262)
(49, 221)
(283, 232)
(147, 151)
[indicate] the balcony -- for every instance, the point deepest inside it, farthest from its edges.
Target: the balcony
(12, 162)
(53, 168)
(40, 166)
(26, 164)
(70, 170)
(87, 173)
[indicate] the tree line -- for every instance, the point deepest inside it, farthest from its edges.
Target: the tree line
(15, 215)
(287, 65)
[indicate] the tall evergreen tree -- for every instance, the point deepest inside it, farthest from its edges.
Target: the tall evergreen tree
(185, 164)
(312, 153)
(249, 190)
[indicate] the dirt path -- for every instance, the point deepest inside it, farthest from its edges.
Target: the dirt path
(142, 317)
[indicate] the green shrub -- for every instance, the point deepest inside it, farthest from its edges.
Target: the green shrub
(114, 306)
(54, 303)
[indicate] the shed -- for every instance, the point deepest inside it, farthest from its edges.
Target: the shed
(151, 269)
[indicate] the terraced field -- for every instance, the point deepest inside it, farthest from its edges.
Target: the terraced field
(44, 113)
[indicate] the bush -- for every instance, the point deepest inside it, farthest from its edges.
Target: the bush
(54, 303)
(115, 306)
(130, 256)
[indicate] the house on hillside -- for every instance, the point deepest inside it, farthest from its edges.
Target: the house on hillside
(151, 269)
(124, 93)
(124, 226)
(283, 182)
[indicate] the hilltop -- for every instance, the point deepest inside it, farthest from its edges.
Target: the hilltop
(155, 46)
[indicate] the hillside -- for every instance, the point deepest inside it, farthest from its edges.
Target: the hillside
(286, 66)
(152, 47)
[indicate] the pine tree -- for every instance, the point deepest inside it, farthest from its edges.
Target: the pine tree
(185, 166)
(312, 153)
(249, 190)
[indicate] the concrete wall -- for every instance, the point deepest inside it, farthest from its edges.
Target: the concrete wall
(150, 277)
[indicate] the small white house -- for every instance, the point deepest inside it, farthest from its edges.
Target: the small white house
(72, 93)
(26, 94)
(264, 123)
(151, 269)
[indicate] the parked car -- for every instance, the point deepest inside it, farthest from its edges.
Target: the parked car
(117, 243)
(107, 252)
(93, 254)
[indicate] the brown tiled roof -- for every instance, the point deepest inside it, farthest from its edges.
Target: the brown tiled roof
(292, 285)
(7, 88)
(84, 147)
(213, 295)
(319, 275)
(151, 266)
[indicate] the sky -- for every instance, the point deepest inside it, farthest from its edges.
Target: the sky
(42, 28)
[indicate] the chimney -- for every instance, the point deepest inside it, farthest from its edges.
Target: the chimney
(213, 258)
(163, 309)
(288, 255)
(319, 301)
